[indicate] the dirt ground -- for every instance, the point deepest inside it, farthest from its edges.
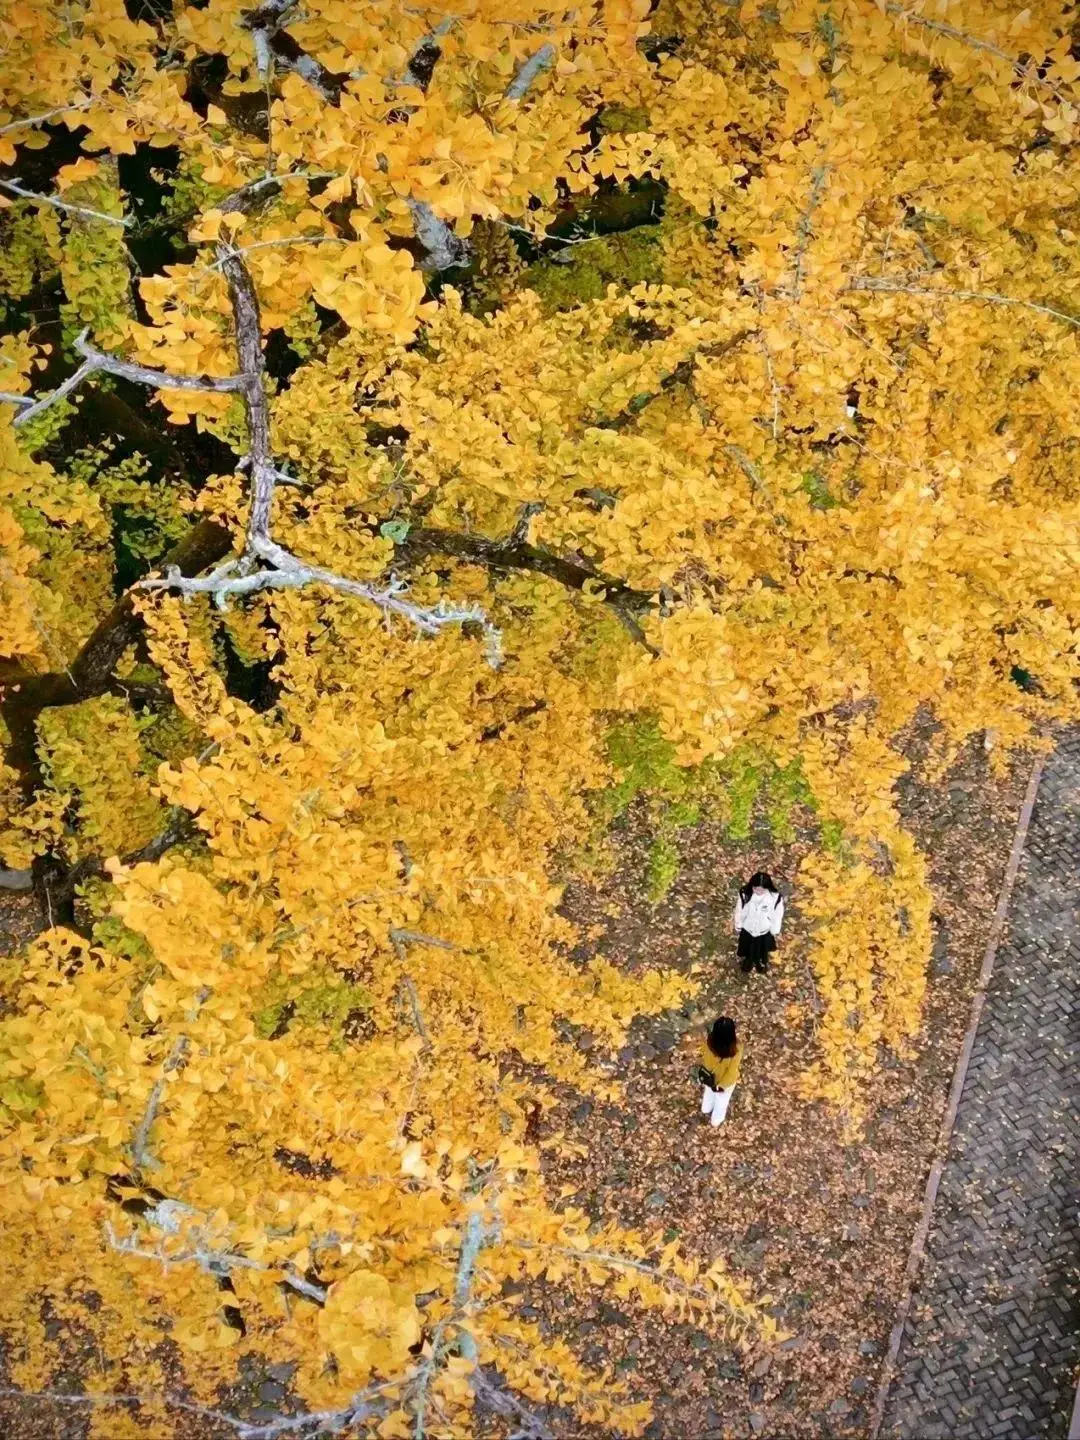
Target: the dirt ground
(822, 1226)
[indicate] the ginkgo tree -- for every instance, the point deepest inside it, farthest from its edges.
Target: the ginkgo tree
(276, 1083)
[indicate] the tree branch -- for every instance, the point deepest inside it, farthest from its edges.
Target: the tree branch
(444, 249)
(14, 188)
(513, 554)
(424, 57)
(168, 1217)
(533, 67)
(414, 1000)
(97, 360)
(31, 120)
(477, 1234)
(502, 1401)
(817, 188)
(883, 285)
(174, 1062)
(363, 1406)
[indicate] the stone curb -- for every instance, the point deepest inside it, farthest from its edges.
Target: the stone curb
(941, 1149)
(1074, 1424)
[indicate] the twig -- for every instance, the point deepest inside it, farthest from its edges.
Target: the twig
(941, 28)
(140, 1154)
(360, 1408)
(750, 470)
(771, 374)
(32, 120)
(817, 187)
(891, 287)
(174, 1061)
(84, 210)
(417, 937)
(284, 240)
(418, 1015)
(624, 1262)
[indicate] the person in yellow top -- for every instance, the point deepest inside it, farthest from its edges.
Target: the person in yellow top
(718, 1069)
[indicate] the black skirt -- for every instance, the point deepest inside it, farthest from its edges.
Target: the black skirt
(755, 949)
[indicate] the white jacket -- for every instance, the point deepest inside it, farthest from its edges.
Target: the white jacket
(760, 914)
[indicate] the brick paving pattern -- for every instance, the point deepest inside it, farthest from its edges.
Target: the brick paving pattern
(993, 1339)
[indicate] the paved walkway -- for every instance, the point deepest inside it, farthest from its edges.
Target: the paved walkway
(993, 1339)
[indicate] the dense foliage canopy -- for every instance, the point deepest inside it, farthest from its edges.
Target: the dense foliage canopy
(513, 408)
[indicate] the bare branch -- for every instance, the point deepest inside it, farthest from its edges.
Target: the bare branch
(167, 1216)
(883, 285)
(417, 937)
(31, 408)
(750, 470)
(533, 67)
(817, 189)
(418, 1015)
(31, 120)
(95, 360)
(288, 573)
(175, 1061)
(14, 188)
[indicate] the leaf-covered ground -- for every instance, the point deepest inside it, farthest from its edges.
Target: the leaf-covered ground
(820, 1224)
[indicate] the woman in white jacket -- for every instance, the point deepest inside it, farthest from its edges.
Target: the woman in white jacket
(758, 917)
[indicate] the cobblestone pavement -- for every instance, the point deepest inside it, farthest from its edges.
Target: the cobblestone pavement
(993, 1339)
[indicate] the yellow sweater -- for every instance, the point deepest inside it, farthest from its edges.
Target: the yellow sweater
(724, 1072)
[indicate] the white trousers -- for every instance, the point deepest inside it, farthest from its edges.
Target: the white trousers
(715, 1103)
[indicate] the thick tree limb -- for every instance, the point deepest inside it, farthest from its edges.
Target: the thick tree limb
(513, 554)
(443, 249)
(533, 67)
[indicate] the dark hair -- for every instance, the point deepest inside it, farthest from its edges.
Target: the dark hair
(722, 1039)
(760, 877)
